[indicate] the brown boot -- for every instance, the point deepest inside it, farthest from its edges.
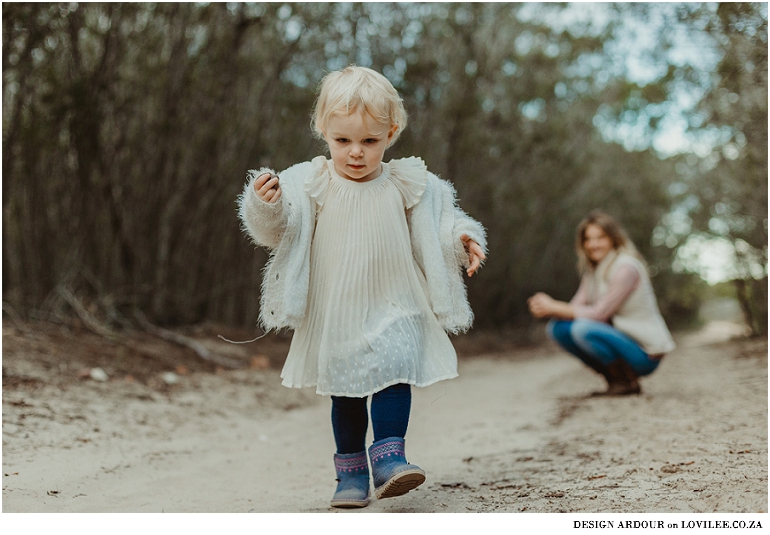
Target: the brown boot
(621, 380)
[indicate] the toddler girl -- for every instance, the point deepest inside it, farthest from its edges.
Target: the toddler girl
(364, 265)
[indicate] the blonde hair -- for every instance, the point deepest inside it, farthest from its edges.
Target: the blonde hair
(613, 230)
(358, 89)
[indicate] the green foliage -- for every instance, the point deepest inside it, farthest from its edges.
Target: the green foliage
(723, 290)
(680, 296)
(726, 195)
(128, 129)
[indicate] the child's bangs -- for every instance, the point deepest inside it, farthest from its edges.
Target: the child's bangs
(370, 102)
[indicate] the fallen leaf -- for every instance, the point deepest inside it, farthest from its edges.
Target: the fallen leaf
(259, 362)
(53, 492)
(182, 370)
(591, 478)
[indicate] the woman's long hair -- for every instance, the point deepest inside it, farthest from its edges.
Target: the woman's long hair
(620, 240)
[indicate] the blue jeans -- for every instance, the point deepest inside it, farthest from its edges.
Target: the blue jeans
(390, 417)
(598, 344)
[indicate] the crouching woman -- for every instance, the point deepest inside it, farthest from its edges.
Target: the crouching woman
(613, 323)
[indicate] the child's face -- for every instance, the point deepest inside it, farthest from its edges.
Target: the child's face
(357, 144)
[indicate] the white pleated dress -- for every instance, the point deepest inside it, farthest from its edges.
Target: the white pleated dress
(368, 323)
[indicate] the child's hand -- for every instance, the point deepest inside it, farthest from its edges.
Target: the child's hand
(267, 188)
(475, 254)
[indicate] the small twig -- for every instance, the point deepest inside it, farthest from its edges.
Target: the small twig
(201, 350)
(241, 341)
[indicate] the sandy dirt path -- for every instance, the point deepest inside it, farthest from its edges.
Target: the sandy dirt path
(514, 433)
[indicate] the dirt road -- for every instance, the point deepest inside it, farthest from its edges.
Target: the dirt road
(514, 433)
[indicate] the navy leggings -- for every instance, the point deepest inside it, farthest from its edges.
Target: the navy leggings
(390, 417)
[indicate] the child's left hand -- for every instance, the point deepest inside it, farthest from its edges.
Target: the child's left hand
(475, 254)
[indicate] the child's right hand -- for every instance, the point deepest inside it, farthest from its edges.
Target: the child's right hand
(267, 187)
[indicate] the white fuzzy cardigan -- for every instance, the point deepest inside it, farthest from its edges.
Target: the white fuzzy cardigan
(286, 229)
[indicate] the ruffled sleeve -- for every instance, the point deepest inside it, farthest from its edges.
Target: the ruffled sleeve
(318, 185)
(411, 177)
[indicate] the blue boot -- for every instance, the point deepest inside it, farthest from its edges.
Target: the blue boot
(353, 480)
(393, 476)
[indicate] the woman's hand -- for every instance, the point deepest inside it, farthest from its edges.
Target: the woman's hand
(542, 305)
(475, 254)
(267, 188)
